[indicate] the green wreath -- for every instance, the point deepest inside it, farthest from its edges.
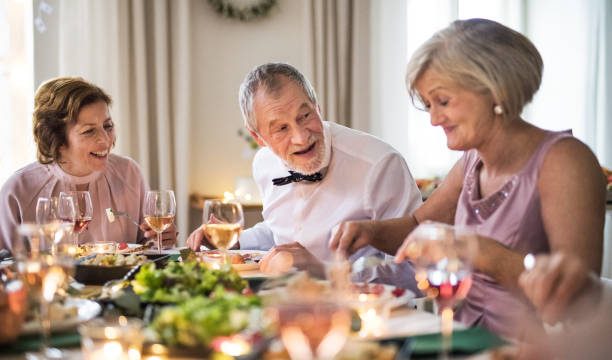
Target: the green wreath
(243, 10)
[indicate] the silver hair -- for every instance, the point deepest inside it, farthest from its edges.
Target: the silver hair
(268, 77)
(482, 56)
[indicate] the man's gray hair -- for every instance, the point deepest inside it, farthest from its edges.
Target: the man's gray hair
(269, 78)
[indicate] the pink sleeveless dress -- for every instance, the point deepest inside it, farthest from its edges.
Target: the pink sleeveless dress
(511, 216)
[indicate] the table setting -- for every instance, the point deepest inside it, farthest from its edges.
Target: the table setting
(138, 302)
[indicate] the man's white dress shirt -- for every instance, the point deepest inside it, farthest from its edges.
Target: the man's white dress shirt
(365, 179)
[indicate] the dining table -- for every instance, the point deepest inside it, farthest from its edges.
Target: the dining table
(413, 328)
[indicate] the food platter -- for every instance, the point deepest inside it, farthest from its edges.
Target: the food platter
(98, 275)
(85, 310)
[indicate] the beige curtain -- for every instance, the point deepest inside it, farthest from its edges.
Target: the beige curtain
(138, 51)
(335, 26)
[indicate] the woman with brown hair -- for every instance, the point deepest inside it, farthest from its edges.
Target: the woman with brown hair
(74, 134)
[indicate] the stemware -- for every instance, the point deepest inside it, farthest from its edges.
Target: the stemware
(312, 320)
(222, 222)
(57, 215)
(44, 274)
(159, 211)
(83, 208)
(442, 255)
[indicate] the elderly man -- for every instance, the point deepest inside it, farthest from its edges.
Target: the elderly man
(314, 174)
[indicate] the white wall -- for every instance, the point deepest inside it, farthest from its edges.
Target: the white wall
(223, 52)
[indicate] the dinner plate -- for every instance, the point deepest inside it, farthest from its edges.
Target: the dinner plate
(86, 310)
(250, 266)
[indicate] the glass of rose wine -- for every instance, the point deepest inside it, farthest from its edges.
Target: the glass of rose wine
(222, 223)
(443, 255)
(84, 211)
(159, 212)
(311, 320)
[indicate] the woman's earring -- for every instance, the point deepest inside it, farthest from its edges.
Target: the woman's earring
(498, 110)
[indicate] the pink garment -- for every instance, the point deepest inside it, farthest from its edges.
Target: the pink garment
(120, 186)
(511, 216)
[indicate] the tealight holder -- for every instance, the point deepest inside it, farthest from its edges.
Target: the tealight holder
(117, 339)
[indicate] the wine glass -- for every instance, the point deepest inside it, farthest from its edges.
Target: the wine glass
(56, 215)
(44, 274)
(83, 208)
(312, 321)
(442, 255)
(159, 211)
(222, 222)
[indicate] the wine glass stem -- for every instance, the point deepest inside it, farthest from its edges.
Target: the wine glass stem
(159, 243)
(225, 260)
(446, 322)
(45, 324)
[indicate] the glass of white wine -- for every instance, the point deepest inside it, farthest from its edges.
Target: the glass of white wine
(222, 222)
(159, 212)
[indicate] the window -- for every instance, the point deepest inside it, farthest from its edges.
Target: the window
(16, 86)
(563, 101)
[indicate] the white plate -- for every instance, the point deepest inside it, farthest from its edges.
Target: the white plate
(87, 310)
(248, 267)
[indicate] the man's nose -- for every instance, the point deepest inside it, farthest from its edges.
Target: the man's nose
(300, 135)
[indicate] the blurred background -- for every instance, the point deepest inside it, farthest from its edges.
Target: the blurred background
(173, 68)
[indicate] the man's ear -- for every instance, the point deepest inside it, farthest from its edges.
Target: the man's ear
(257, 138)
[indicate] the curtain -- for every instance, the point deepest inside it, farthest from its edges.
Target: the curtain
(139, 52)
(332, 30)
(599, 106)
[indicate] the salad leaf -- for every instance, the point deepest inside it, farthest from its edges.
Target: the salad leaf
(180, 281)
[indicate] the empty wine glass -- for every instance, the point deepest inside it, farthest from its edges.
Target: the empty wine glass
(83, 208)
(443, 257)
(57, 215)
(222, 223)
(44, 274)
(159, 212)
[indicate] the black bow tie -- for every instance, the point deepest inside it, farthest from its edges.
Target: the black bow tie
(297, 177)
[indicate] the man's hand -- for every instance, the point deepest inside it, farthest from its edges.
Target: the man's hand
(282, 257)
(168, 236)
(351, 236)
(198, 238)
(555, 283)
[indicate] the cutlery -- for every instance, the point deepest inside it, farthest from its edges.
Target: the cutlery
(111, 214)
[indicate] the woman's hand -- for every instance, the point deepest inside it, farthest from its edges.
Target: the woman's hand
(555, 283)
(168, 236)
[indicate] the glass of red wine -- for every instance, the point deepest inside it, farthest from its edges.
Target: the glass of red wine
(443, 255)
(84, 211)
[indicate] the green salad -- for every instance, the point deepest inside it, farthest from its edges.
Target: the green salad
(197, 321)
(180, 281)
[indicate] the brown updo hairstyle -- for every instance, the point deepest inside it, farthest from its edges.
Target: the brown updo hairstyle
(57, 103)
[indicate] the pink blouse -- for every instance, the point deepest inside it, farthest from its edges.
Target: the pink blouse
(512, 216)
(120, 186)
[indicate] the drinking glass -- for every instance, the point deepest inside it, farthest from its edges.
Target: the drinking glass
(44, 274)
(83, 208)
(159, 212)
(312, 322)
(442, 256)
(222, 222)
(57, 216)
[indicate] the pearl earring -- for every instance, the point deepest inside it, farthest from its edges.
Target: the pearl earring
(498, 110)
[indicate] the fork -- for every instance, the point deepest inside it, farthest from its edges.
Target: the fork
(111, 214)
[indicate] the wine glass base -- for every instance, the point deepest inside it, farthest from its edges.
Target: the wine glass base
(47, 354)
